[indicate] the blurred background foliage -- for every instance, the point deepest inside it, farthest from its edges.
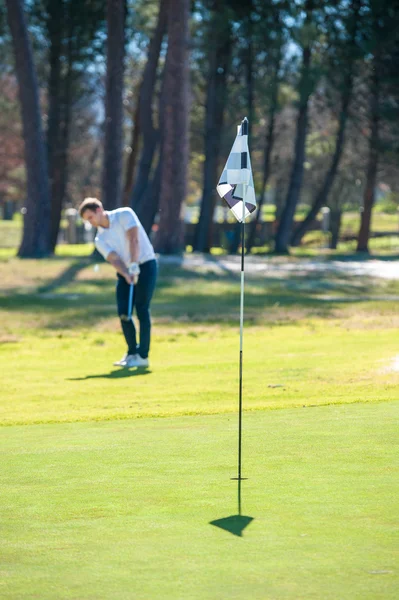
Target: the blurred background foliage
(318, 82)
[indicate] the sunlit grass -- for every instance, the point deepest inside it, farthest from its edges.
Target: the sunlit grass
(314, 241)
(123, 509)
(110, 477)
(314, 339)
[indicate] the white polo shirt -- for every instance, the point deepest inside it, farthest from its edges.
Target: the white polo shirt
(114, 238)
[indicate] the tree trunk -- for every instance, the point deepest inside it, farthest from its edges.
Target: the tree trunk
(148, 208)
(61, 168)
(56, 20)
(279, 195)
(372, 167)
(87, 180)
(35, 241)
(234, 239)
(112, 167)
(249, 70)
(267, 155)
(150, 135)
(335, 227)
(322, 196)
(220, 54)
(59, 174)
(169, 237)
(148, 205)
(132, 158)
(295, 184)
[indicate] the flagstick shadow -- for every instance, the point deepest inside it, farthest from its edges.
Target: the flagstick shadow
(234, 524)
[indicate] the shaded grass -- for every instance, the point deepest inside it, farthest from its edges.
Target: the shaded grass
(65, 293)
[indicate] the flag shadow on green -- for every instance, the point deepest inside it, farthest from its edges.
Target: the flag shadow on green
(234, 524)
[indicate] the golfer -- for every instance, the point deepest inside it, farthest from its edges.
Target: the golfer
(122, 241)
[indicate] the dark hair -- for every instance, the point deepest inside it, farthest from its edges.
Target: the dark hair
(89, 204)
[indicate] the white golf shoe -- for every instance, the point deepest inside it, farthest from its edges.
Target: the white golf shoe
(135, 360)
(122, 361)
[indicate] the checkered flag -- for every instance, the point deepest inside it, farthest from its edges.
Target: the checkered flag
(236, 183)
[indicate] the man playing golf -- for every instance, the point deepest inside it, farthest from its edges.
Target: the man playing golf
(122, 241)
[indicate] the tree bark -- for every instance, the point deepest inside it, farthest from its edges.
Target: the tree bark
(267, 154)
(169, 237)
(249, 60)
(87, 180)
(219, 60)
(148, 206)
(59, 162)
(322, 195)
(35, 240)
(132, 158)
(149, 134)
(56, 20)
(60, 172)
(335, 227)
(372, 167)
(112, 166)
(295, 184)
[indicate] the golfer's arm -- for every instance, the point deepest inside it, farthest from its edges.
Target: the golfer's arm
(114, 259)
(133, 239)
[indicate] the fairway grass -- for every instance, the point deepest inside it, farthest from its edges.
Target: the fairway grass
(193, 372)
(306, 342)
(123, 509)
(110, 478)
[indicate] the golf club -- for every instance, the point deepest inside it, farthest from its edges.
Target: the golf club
(130, 308)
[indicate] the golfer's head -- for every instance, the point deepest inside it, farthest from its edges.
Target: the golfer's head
(91, 210)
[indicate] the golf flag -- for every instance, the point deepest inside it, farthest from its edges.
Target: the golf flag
(236, 180)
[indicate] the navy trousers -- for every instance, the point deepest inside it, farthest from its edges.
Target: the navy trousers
(142, 294)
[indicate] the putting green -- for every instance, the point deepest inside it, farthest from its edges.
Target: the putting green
(122, 509)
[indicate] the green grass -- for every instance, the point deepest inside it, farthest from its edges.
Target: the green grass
(308, 341)
(194, 372)
(100, 497)
(123, 509)
(10, 233)
(382, 222)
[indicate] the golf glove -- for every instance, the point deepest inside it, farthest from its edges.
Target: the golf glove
(134, 269)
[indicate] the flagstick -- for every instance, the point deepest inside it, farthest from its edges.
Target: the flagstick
(239, 497)
(226, 188)
(241, 334)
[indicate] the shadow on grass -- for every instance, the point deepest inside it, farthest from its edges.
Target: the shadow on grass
(330, 256)
(66, 276)
(234, 524)
(357, 257)
(184, 295)
(117, 374)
